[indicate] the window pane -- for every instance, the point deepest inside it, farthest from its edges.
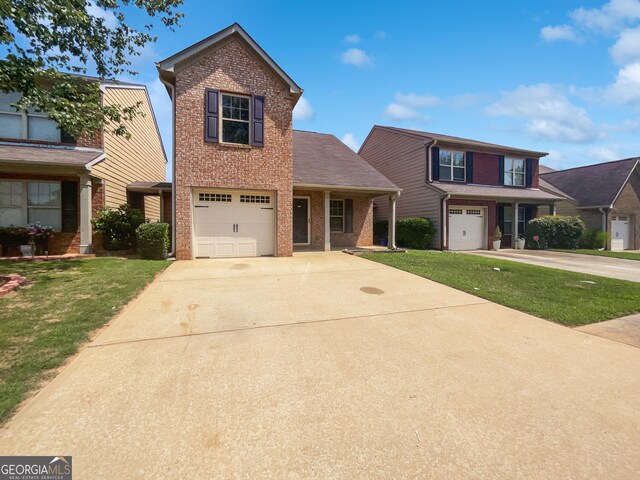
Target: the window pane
(10, 193)
(336, 207)
(44, 194)
(445, 173)
(458, 174)
(507, 228)
(11, 216)
(458, 159)
(508, 165)
(235, 132)
(518, 166)
(445, 157)
(507, 213)
(10, 125)
(336, 224)
(519, 179)
(508, 178)
(47, 217)
(226, 112)
(41, 128)
(226, 100)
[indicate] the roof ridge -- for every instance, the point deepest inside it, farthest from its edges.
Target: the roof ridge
(592, 165)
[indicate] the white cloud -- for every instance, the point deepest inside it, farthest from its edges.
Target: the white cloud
(604, 154)
(626, 88)
(110, 20)
(560, 32)
(548, 112)
(350, 141)
(352, 38)
(612, 16)
(627, 49)
(401, 112)
(417, 101)
(356, 57)
(303, 110)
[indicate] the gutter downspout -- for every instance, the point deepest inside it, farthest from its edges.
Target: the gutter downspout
(445, 221)
(173, 165)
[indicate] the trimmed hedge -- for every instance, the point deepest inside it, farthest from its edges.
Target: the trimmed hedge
(118, 226)
(593, 239)
(153, 240)
(554, 232)
(414, 232)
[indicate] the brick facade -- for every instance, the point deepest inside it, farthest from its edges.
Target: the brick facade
(362, 235)
(232, 68)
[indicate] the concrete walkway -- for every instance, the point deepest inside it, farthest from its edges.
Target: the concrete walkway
(331, 366)
(625, 329)
(604, 266)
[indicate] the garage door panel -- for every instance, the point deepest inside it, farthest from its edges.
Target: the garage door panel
(466, 228)
(236, 224)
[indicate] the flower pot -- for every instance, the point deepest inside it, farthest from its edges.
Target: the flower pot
(496, 245)
(520, 243)
(27, 250)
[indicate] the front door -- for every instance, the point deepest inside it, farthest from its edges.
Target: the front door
(301, 220)
(620, 232)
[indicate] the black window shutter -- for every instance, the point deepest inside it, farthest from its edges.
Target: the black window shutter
(501, 218)
(528, 170)
(69, 203)
(257, 139)
(501, 170)
(348, 216)
(210, 115)
(435, 163)
(469, 162)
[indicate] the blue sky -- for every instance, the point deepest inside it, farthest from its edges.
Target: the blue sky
(557, 76)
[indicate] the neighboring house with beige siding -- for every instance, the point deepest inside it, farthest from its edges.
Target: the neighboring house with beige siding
(51, 178)
(605, 195)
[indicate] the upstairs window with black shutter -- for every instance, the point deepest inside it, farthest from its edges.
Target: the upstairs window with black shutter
(514, 173)
(235, 119)
(452, 166)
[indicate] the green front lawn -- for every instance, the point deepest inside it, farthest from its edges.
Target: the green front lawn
(42, 325)
(556, 295)
(603, 253)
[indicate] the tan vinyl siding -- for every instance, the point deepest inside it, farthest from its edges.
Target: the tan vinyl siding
(592, 218)
(403, 160)
(140, 158)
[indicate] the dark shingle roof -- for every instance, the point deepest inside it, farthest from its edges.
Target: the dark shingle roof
(592, 185)
(322, 159)
(45, 155)
(465, 141)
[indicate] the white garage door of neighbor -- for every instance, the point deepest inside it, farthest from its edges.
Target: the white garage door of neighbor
(233, 224)
(467, 228)
(620, 232)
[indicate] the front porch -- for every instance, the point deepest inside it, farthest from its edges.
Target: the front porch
(328, 220)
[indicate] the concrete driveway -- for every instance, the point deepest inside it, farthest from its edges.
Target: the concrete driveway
(330, 366)
(604, 266)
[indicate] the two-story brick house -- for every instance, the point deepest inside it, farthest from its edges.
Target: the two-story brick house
(245, 183)
(466, 187)
(50, 178)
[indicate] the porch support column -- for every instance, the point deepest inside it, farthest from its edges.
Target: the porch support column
(391, 243)
(85, 214)
(514, 225)
(327, 222)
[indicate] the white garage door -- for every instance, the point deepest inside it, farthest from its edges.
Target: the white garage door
(233, 224)
(467, 228)
(620, 232)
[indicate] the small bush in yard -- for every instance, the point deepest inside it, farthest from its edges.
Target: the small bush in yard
(593, 239)
(554, 232)
(153, 240)
(118, 227)
(414, 232)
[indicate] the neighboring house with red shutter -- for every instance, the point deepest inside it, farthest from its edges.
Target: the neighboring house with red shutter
(605, 195)
(465, 187)
(59, 181)
(245, 183)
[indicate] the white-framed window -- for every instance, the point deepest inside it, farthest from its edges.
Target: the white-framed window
(336, 215)
(452, 166)
(31, 125)
(234, 121)
(25, 202)
(514, 172)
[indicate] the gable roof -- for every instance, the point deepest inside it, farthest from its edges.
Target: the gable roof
(168, 65)
(321, 160)
(448, 139)
(593, 185)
